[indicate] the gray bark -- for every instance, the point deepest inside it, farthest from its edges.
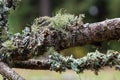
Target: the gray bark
(9, 73)
(35, 44)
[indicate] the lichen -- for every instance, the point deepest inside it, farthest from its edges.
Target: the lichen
(58, 22)
(40, 22)
(9, 45)
(61, 20)
(93, 61)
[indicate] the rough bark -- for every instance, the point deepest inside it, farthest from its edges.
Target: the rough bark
(75, 35)
(9, 73)
(93, 61)
(89, 33)
(32, 64)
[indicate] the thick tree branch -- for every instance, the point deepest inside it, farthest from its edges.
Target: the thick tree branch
(89, 33)
(9, 73)
(35, 43)
(100, 31)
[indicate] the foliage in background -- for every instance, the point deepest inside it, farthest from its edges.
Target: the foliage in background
(22, 15)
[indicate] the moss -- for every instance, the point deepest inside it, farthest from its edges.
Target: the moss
(9, 45)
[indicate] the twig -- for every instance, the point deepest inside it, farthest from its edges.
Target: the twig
(32, 64)
(93, 61)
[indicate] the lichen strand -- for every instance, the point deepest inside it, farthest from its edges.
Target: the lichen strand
(93, 61)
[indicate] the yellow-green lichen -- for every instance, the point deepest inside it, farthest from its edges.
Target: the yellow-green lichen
(40, 22)
(58, 22)
(61, 20)
(9, 45)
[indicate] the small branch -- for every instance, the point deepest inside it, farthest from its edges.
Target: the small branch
(32, 64)
(9, 73)
(93, 61)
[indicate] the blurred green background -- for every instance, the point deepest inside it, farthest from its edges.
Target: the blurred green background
(94, 10)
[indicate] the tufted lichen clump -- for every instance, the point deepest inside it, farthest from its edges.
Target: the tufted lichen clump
(58, 22)
(61, 20)
(40, 22)
(9, 45)
(93, 61)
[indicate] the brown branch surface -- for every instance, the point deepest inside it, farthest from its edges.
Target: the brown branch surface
(32, 64)
(75, 35)
(90, 33)
(8, 72)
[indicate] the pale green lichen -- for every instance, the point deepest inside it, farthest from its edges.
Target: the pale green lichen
(59, 22)
(93, 61)
(40, 22)
(9, 45)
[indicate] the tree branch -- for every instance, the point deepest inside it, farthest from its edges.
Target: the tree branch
(9, 73)
(93, 61)
(77, 35)
(35, 43)
(32, 64)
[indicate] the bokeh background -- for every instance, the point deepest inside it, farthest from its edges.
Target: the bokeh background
(94, 10)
